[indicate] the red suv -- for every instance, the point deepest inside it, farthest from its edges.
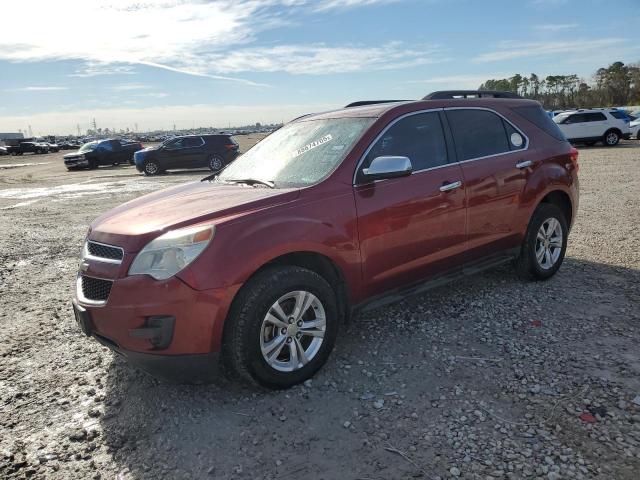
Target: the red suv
(334, 213)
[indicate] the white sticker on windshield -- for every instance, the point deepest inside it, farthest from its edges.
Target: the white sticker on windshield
(312, 145)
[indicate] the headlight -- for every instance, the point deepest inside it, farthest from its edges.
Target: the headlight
(165, 256)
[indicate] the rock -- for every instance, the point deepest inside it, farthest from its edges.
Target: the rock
(78, 435)
(378, 404)
(455, 471)
(346, 424)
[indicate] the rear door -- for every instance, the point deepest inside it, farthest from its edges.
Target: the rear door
(411, 227)
(495, 163)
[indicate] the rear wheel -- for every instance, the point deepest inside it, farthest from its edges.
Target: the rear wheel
(216, 163)
(151, 167)
(282, 327)
(545, 243)
(611, 138)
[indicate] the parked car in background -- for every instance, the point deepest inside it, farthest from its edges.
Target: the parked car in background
(190, 151)
(53, 147)
(331, 214)
(634, 129)
(102, 152)
(28, 147)
(592, 126)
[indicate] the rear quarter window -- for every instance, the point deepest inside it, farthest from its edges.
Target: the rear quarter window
(536, 115)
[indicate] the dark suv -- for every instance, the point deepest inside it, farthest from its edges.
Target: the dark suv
(334, 213)
(190, 151)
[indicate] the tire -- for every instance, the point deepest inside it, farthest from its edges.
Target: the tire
(611, 138)
(248, 331)
(528, 264)
(93, 164)
(216, 163)
(151, 167)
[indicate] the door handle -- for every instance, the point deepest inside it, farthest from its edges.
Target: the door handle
(524, 164)
(450, 186)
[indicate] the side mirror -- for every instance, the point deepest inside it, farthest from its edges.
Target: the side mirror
(388, 167)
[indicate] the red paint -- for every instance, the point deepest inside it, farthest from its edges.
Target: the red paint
(588, 418)
(379, 236)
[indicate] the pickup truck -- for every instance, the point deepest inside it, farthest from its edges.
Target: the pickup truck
(28, 147)
(102, 152)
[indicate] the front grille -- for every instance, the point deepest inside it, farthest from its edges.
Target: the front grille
(104, 251)
(95, 289)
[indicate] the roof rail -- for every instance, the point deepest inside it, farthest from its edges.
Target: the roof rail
(371, 102)
(448, 94)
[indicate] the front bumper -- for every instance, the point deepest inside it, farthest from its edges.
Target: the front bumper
(76, 162)
(164, 327)
(196, 368)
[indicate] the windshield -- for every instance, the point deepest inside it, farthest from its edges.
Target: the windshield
(299, 154)
(88, 147)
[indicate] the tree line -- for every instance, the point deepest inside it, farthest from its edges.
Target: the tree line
(617, 85)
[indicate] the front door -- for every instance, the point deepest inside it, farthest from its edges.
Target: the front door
(411, 227)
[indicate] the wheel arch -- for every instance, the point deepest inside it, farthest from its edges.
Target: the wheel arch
(562, 200)
(320, 264)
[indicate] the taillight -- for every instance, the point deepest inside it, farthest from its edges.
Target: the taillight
(573, 154)
(231, 146)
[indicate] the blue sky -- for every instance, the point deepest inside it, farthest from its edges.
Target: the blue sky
(213, 63)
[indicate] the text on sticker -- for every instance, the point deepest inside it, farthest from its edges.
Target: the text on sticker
(312, 145)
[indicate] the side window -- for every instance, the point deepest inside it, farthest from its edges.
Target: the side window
(176, 144)
(477, 133)
(595, 117)
(106, 146)
(577, 118)
(191, 142)
(419, 137)
(618, 114)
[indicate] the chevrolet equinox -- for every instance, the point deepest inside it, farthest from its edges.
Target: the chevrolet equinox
(334, 213)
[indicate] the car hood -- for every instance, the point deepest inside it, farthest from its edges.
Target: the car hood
(73, 154)
(133, 224)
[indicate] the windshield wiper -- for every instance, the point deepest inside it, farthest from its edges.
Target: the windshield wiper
(252, 181)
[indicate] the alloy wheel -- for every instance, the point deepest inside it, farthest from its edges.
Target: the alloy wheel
(292, 331)
(549, 243)
(612, 138)
(151, 168)
(215, 163)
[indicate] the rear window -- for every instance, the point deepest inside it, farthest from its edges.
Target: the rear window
(618, 115)
(536, 115)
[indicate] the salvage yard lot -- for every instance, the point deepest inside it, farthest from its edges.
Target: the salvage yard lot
(489, 377)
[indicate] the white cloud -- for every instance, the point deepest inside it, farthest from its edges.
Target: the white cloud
(322, 59)
(514, 50)
(555, 27)
(187, 36)
(36, 89)
(130, 86)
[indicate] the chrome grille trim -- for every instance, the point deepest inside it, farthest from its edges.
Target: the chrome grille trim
(101, 252)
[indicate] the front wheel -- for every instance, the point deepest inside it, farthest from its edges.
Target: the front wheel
(545, 243)
(611, 138)
(151, 167)
(282, 327)
(216, 163)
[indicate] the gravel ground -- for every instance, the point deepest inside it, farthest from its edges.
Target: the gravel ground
(491, 377)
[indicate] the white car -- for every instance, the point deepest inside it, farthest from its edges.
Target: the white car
(591, 126)
(634, 128)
